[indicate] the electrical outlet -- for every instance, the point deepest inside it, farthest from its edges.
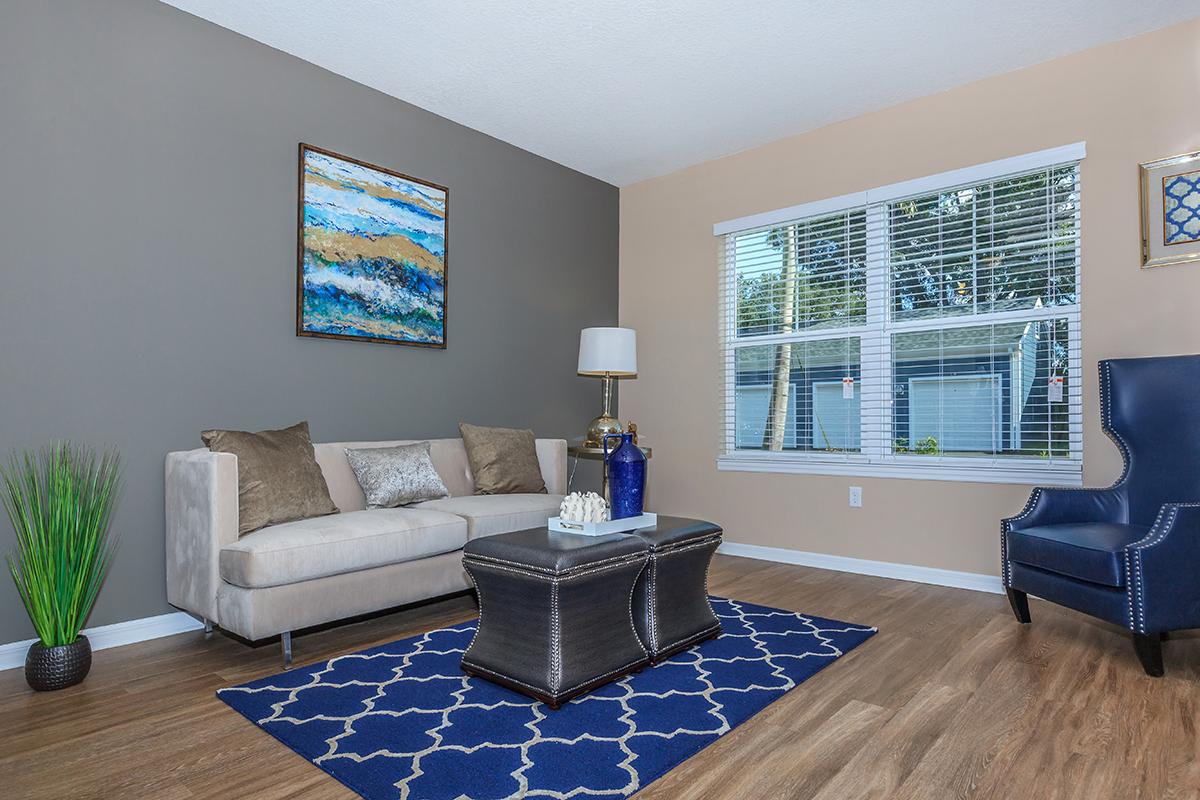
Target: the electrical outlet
(856, 497)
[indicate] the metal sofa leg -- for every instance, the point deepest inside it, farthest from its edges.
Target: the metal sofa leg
(1149, 651)
(285, 640)
(1020, 604)
(208, 627)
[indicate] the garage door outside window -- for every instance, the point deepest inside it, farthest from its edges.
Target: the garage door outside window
(960, 413)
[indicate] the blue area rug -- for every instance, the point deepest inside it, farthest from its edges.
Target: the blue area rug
(402, 721)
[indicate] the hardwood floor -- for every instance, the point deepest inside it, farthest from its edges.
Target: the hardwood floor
(952, 699)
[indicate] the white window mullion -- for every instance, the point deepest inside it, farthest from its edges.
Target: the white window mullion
(727, 335)
(876, 403)
(969, 373)
(1040, 313)
(812, 334)
(1074, 387)
(1075, 345)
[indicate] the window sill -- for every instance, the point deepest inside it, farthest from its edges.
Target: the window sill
(911, 468)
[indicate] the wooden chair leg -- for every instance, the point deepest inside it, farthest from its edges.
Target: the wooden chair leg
(1149, 651)
(1020, 604)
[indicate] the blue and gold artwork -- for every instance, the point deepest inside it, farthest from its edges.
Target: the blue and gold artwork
(1181, 208)
(372, 253)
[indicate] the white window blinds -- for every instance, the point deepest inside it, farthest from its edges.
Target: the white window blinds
(926, 329)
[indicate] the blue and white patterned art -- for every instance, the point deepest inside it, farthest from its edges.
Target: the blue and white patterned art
(1181, 208)
(373, 253)
(403, 721)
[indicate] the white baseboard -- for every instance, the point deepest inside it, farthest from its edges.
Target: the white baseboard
(115, 635)
(974, 581)
(141, 630)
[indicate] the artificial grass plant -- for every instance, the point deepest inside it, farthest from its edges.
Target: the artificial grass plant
(60, 501)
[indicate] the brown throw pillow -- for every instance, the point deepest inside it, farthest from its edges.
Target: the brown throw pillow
(503, 460)
(278, 476)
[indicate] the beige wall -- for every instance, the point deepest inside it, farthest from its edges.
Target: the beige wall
(1130, 101)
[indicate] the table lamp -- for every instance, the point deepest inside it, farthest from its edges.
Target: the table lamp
(606, 353)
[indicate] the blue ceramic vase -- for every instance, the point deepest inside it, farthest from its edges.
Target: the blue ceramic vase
(626, 464)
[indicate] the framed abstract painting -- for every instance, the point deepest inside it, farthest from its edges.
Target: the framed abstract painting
(371, 253)
(1170, 194)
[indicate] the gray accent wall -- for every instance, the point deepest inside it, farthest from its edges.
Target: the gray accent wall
(148, 247)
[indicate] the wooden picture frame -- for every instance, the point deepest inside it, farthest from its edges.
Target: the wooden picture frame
(372, 252)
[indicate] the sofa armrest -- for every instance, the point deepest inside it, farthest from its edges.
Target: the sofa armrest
(1057, 506)
(202, 517)
(552, 458)
(1160, 572)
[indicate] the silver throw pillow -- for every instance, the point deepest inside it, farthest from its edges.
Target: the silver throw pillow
(396, 476)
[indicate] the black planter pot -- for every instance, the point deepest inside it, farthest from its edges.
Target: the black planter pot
(50, 668)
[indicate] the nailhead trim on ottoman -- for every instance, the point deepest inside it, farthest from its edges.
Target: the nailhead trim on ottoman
(671, 608)
(555, 611)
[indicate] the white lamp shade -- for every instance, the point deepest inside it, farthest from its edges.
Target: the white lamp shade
(611, 351)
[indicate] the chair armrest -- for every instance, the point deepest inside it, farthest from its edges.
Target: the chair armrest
(202, 517)
(552, 458)
(1049, 506)
(1160, 572)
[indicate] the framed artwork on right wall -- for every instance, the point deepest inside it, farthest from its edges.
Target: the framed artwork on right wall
(1170, 195)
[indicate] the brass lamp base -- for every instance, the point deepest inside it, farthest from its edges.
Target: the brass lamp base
(606, 422)
(599, 427)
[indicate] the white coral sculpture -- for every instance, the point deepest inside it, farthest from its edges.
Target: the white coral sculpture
(583, 507)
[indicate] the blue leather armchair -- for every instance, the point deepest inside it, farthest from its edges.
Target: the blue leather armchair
(1128, 554)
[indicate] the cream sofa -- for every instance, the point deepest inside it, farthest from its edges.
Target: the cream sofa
(299, 574)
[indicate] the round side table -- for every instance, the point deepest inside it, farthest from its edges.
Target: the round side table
(577, 450)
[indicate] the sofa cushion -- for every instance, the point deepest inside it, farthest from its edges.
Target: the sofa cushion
(278, 477)
(503, 460)
(1089, 551)
(489, 514)
(449, 458)
(396, 476)
(314, 548)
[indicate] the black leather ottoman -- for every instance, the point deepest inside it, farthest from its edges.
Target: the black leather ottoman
(670, 602)
(554, 611)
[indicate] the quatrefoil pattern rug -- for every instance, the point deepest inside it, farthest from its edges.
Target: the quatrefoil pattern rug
(401, 721)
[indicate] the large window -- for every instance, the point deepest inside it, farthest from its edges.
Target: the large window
(925, 329)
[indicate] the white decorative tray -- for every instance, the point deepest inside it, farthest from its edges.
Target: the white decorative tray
(603, 528)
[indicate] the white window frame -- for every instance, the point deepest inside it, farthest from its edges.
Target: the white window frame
(876, 458)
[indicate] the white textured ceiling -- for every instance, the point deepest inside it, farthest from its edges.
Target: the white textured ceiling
(629, 89)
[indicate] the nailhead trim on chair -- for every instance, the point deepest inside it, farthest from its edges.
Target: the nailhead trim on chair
(1006, 528)
(1128, 589)
(1135, 589)
(1106, 417)
(1106, 425)
(1133, 566)
(1164, 522)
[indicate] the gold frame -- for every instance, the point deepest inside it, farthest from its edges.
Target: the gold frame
(1144, 170)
